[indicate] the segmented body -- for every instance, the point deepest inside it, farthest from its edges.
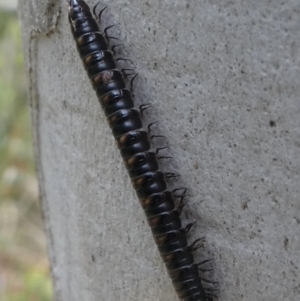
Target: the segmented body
(133, 142)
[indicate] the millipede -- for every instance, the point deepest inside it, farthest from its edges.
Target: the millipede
(157, 201)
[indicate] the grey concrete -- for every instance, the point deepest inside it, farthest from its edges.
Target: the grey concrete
(223, 78)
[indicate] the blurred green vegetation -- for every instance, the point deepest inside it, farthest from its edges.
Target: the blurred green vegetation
(24, 268)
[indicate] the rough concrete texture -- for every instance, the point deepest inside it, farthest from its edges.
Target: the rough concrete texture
(223, 78)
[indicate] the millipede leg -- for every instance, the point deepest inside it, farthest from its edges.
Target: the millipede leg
(107, 36)
(144, 107)
(150, 126)
(160, 149)
(171, 175)
(178, 189)
(94, 11)
(182, 195)
(162, 157)
(113, 48)
(98, 17)
(107, 28)
(182, 203)
(111, 38)
(188, 227)
(149, 131)
(131, 82)
(208, 281)
(210, 297)
(205, 270)
(157, 136)
(125, 60)
(204, 262)
(209, 289)
(125, 74)
(101, 12)
(194, 246)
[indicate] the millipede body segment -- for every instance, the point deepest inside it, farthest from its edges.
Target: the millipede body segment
(134, 144)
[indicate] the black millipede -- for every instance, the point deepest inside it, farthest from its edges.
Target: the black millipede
(141, 163)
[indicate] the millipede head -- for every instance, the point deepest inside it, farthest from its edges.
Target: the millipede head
(76, 6)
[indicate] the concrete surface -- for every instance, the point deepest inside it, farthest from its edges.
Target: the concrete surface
(223, 78)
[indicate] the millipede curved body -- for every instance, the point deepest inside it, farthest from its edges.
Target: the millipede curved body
(134, 145)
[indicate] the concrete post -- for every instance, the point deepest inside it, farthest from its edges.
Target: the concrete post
(223, 78)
